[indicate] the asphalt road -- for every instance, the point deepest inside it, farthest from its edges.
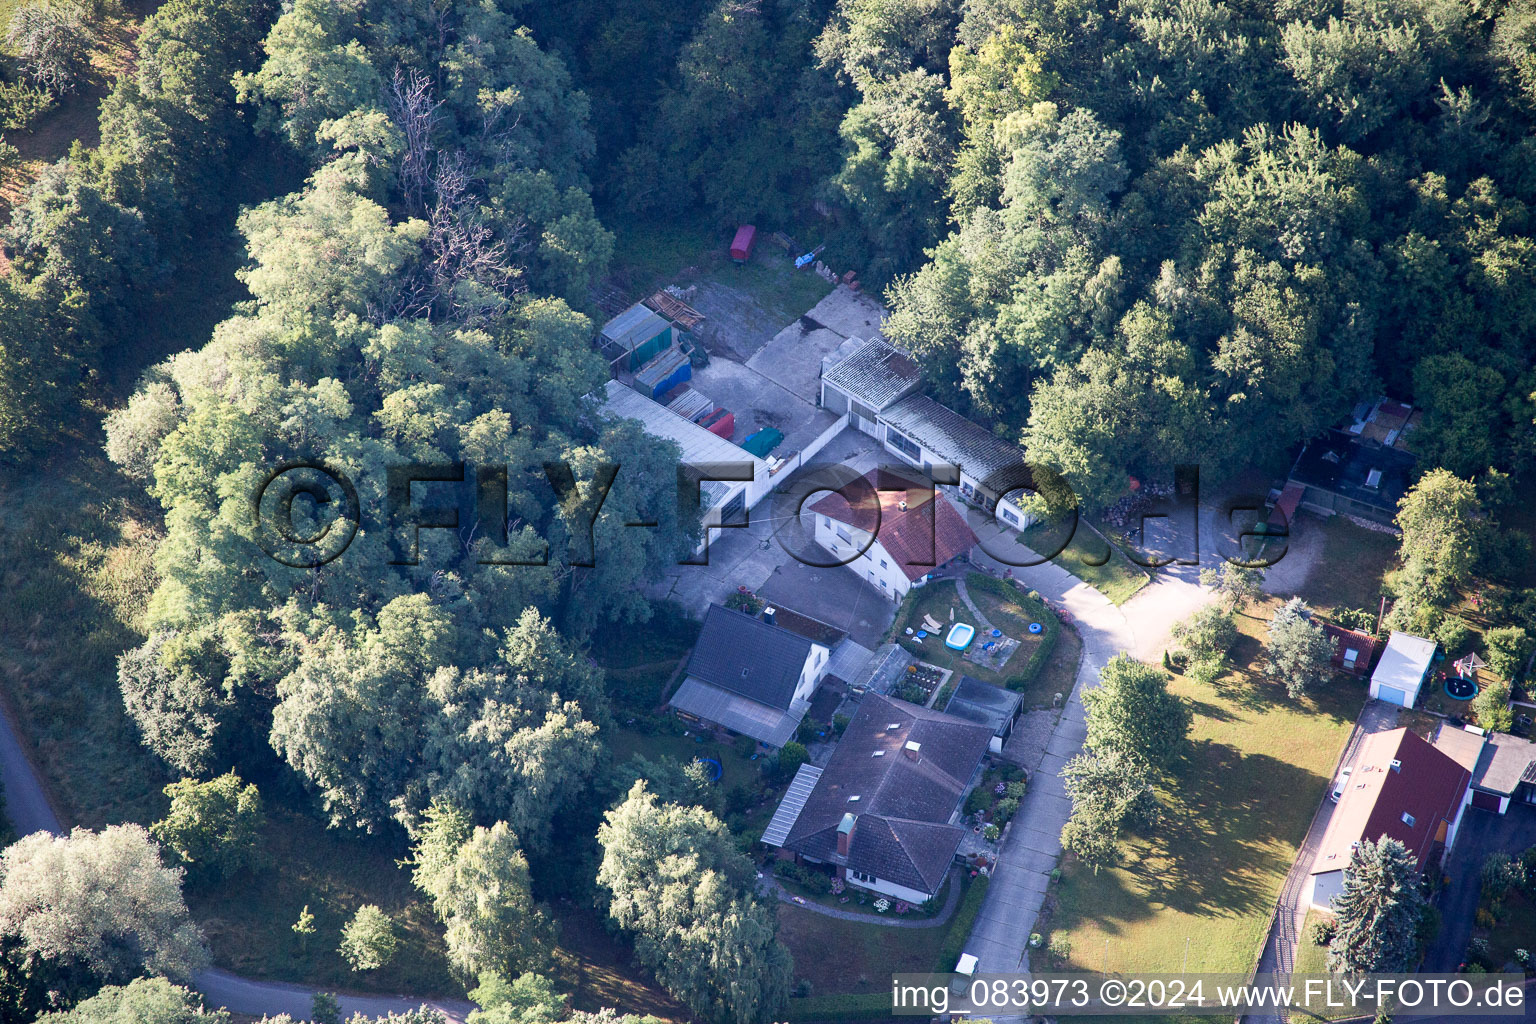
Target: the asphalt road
(29, 810)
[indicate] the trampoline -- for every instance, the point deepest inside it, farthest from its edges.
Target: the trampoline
(1458, 688)
(716, 769)
(960, 636)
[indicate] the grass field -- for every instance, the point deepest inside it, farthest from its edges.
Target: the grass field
(650, 254)
(1092, 559)
(1351, 568)
(1237, 808)
(841, 957)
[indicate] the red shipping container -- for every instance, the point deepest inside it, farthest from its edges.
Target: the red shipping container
(741, 245)
(721, 423)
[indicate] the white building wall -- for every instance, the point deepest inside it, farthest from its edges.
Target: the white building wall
(891, 889)
(1325, 886)
(875, 566)
(813, 671)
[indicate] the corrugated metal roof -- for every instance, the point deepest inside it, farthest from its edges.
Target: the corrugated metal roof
(850, 661)
(793, 803)
(635, 325)
(952, 437)
(739, 714)
(698, 445)
(876, 374)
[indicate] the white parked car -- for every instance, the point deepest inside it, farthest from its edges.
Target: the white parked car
(1338, 787)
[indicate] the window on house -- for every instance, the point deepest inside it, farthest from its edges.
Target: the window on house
(902, 443)
(843, 535)
(883, 565)
(884, 584)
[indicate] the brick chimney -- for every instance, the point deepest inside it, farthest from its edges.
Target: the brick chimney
(845, 833)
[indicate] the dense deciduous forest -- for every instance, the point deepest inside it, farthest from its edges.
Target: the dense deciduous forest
(1128, 235)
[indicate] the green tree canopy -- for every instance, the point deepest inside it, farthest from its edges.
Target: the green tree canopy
(1132, 714)
(1378, 911)
(677, 882)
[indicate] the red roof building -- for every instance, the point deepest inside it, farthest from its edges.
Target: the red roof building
(1401, 787)
(895, 533)
(1353, 651)
(741, 245)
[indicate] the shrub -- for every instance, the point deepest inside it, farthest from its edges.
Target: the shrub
(1004, 810)
(1060, 949)
(1478, 952)
(1491, 706)
(791, 757)
(1015, 790)
(978, 800)
(21, 103)
(840, 723)
(53, 38)
(1508, 648)
(990, 833)
(1356, 618)
(1322, 931)
(368, 941)
(1453, 634)
(325, 1009)
(1500, 874)
(803, 988)
(1035, 940)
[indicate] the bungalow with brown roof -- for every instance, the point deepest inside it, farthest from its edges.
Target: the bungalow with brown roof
(883, 812)
(895, 533)
(1402, 788)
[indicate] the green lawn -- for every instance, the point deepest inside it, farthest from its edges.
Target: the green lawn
(1045, 663)
(1310, 957)
(850, 958)
(1237, 808)
(1092, 559)
(650, 254)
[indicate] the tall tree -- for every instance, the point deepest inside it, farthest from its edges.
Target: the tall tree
(1131, 713)
(1378, 911)
(99, 902)
(1297, 650)
(478, 881)
(214, 827)
(141, 1000)
(678, 883)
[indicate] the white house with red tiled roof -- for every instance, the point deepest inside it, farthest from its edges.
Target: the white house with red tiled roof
(1401, 788)
(894, 534)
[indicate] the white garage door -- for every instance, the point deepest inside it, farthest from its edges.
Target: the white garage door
(1392, 695)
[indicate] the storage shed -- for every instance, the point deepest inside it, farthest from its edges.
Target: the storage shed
(634, 338)
(1402, 669)
(741, 245)
(663, 373)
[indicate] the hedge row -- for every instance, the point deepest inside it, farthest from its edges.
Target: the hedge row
(850, 1006)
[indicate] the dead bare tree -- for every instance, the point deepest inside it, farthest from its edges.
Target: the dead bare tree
(416, 114)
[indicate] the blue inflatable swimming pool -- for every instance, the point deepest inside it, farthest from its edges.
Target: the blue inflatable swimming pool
(960, 636)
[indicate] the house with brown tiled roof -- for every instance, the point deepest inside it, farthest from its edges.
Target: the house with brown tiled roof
(1401, 788)
(894, 532)
(883, 814)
